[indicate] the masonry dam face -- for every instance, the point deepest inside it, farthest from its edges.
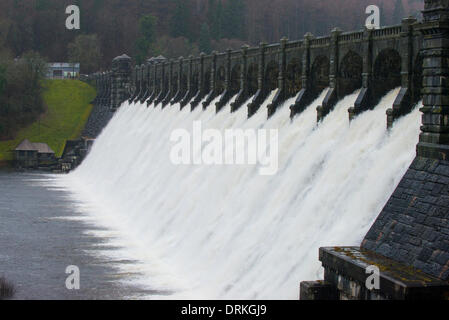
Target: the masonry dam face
(225, 231)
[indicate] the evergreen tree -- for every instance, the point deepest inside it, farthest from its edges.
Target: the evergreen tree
(216, 22)
(234, 19)
(2, 79)
(205, 39)
(147, 26)
(180, 25)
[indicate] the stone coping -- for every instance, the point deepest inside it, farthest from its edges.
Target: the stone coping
(397, 281)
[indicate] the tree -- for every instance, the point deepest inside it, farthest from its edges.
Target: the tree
(216, 20)
(85, 49)
(234, 19)
(205, 39)
(21, 91)
(147, 28)
(2, 79)
(36, 66)
(180, 23)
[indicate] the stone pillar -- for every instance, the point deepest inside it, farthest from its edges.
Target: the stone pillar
(162, 82)
(143, 81)
(227, 94)
(146, 79)
(121, 80)
(139, 84)
(109, 88)
(189, 94)
(133, 86)
(201, 87)
(365, 99)
(332, 96)
(169, 94)
(434, 138)
(181, 91)
(305, 96)
(262, 91)
(243, 93)
(150, 68)
(405, 99)
(281, 95)
(155, 91)
(213, 93)
(96, 84)
(102, 87)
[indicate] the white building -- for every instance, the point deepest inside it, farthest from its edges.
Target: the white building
(63, 70)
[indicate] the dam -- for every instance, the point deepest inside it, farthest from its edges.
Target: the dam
(363, 169)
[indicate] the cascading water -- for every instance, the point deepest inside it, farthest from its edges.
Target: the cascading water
(227, 232)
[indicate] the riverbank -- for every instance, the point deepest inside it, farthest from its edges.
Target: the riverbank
(68, 108)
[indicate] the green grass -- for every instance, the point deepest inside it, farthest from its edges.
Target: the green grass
(67, 112)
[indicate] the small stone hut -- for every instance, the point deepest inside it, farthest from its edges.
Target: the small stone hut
(31, 155)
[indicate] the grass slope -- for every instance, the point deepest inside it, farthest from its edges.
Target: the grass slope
(68, 109)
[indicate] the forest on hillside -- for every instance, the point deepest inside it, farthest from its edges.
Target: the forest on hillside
(143, 28)
(34, 31)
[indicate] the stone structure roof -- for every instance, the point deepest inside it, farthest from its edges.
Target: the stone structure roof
(26, 145)
(413, 227)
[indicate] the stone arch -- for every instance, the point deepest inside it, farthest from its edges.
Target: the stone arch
(235, 79)
(183, 81)
(350, 73)
(271, 75)
(221, 78)
(174, 81)
(251, 78)
(293, 81)
(166, 82)
(386, 72)
(194, 83)
(207, 79)
(417, 78)
(320, 73)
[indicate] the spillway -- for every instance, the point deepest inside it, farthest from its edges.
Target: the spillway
(225, 231)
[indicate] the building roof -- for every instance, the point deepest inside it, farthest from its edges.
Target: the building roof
(43, 148)
(122, 57)
(26, 145)
(63, 65)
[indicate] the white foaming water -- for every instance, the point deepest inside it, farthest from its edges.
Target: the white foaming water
(226, 232)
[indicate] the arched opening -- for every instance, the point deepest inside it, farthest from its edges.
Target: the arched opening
(271, 76)
(220, 81)
(293, 77)
(166, 84)
(194, 83)
(183, 82)
(174, 82)
(351, 69)
(320, 73)
(417, 78)
(387, 72)
(235, 79)
(206, 79)
(251, 79)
